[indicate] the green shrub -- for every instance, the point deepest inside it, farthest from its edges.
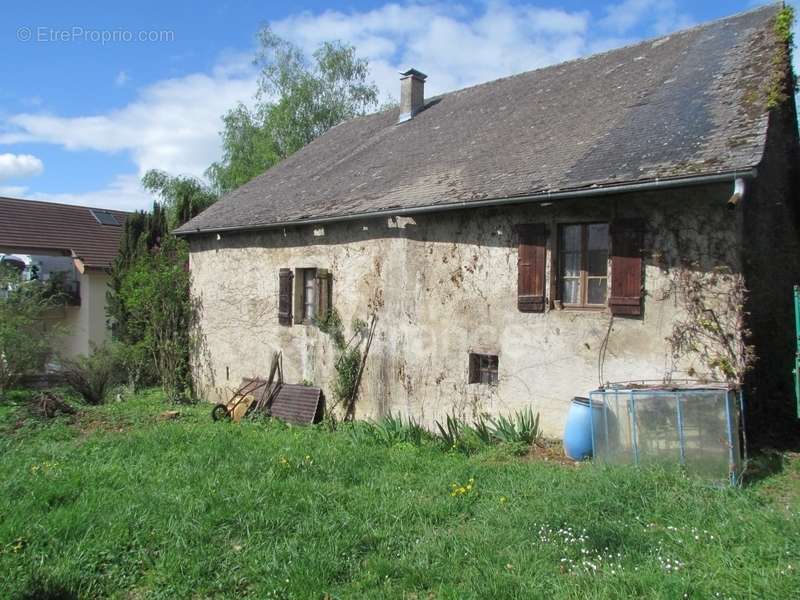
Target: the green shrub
(348, 359)
(26, 340)
(94, 375)
(522, 426)
(483, 430)
(394, 430)
(451, 432)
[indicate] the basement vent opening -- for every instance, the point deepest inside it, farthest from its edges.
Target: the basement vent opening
(104, 217)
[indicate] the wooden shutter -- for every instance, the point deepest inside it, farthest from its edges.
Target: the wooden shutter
(626, 267)
(531, 267)
(323, 293)
(285, 297)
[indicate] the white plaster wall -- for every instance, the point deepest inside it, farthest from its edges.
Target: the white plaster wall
(85, 325)
(442, 285)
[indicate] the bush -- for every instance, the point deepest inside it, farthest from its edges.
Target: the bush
(137, 366)
(94, 375)
(25, 340)
(522, 428)
(160, 315)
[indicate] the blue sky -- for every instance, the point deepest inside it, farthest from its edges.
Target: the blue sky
(93, 94)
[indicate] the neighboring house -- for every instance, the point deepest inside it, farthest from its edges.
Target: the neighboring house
(525, 240)
(77, 245)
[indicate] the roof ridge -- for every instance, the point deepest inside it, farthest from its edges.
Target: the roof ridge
(651, 40)
(643, 42)
(64, 204)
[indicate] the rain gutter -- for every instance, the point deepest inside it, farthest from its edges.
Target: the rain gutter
(539, 197)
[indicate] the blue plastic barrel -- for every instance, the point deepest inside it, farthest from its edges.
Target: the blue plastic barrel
(578, 430)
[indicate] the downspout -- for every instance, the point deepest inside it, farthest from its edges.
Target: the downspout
(738, 193)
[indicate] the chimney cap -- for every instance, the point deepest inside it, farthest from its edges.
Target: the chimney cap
(414, 73)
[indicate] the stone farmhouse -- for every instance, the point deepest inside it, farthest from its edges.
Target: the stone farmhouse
(627, 216)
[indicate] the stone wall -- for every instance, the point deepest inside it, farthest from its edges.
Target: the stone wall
(770, 225)
(443, 285)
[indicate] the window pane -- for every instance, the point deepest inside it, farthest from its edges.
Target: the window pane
(570, 264)
(571, 238)
(310, 294)
(596, 292)
(598, 236)
(310, 311)
(570, 291)
(597, 262)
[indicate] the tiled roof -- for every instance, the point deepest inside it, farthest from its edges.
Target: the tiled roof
(31, 225)
(690, 103)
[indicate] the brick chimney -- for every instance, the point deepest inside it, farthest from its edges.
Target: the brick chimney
(412, 94)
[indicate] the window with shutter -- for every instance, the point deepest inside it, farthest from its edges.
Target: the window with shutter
(583, 264)
(626, 267)
(531, 267)
(312, 295)
(285, 297)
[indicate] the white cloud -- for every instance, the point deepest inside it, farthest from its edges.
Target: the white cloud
(13, 191)
(173, 124)
(19, 165)
(123, 193)
(663, 16)
(454, 47)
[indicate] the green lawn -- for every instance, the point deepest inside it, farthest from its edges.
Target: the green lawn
(119, 503)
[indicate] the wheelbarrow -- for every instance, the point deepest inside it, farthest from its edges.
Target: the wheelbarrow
(242, 401)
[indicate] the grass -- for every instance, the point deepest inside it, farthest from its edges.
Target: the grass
(118, 503)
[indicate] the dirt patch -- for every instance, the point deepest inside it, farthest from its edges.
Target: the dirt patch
(88, 425)
(551, 451)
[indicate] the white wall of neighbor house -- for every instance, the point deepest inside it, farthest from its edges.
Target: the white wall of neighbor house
(444, 285)
(85, 325)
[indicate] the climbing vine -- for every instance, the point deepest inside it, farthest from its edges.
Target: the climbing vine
(712, 327)
(348, 358)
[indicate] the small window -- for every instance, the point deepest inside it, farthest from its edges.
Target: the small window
(483, 368)
(583, 264)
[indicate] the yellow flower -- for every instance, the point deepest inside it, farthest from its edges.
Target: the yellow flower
(503, 499)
